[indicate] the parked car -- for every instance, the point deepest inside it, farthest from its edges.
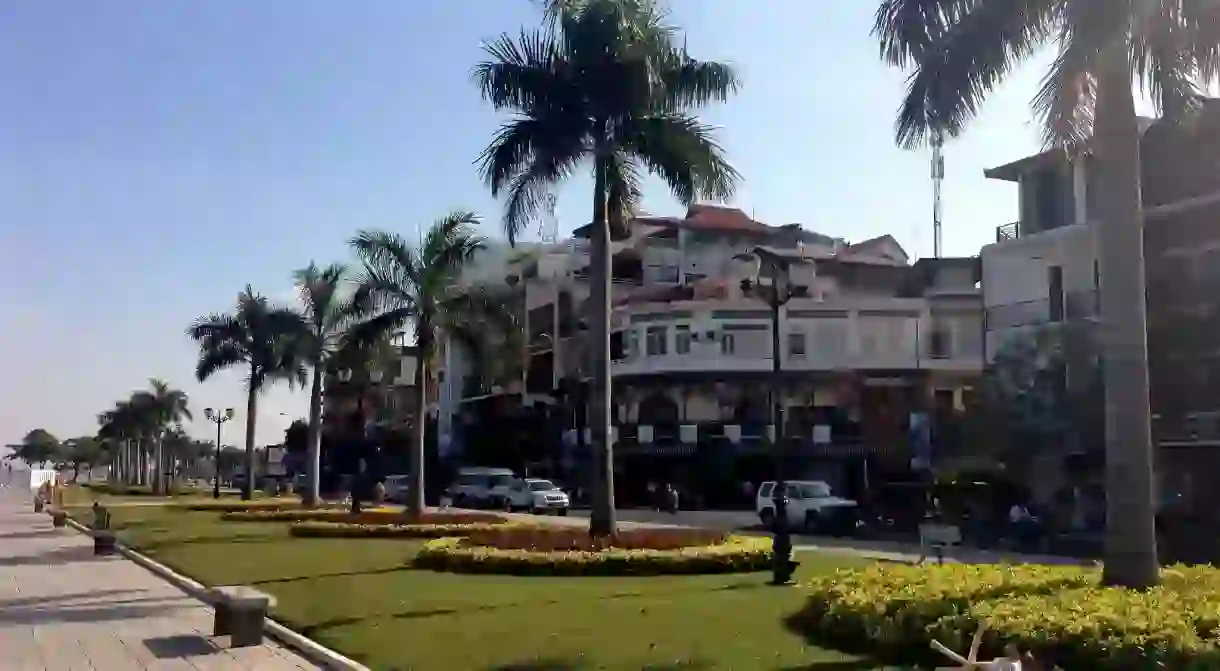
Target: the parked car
(811, 507)
(532, 494)
(473, 487)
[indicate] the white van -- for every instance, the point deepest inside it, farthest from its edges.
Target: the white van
(473, 486)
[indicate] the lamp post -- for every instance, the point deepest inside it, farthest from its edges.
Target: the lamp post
(772, 283)
(218, 418)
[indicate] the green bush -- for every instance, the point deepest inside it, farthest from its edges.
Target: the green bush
(1060, 614)
(736, 554)
(222, 506)
(409, 530)
(342, 514)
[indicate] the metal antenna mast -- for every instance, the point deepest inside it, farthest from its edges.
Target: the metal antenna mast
(548, 228)
(938, 176)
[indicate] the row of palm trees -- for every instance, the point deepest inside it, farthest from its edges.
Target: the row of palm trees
(137, 430)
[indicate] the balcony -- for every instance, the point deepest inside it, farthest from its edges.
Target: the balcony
(1008, 232)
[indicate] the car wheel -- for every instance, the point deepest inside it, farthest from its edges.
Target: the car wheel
(768, 517)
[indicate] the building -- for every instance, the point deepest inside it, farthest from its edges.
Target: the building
(1042, 270)
(873, 338)
(382, 391)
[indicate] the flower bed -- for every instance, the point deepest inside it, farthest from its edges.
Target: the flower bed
(374, 516)
(318, 529)
(1058, 613)
(242, 506)
(529, 550)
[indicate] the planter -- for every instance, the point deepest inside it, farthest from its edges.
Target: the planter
(103, 543)
(39, 504)
(59, 519)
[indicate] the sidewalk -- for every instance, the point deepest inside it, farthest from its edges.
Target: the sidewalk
(62, 609)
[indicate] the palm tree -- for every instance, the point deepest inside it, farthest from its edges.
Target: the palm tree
(264, 339)
(960, 52)
(161, 408)
(81, 452)
(604, 82)
(117, 428)
(418, 289)
(327, 314)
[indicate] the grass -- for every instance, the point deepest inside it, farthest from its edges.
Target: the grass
(357, 596)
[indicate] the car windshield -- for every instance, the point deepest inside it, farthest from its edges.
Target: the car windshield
(815, 490)
(542, 485)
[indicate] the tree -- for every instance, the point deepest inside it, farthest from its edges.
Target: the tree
(417, 288)
(160, 408)
(961, 50)
(118, 429)
(327, 314)
(36, 449)
(606, 83)
(265, 340)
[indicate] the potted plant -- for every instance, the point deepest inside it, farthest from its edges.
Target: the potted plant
(59, 518)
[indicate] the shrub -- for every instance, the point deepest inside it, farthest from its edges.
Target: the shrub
(320, 529)
(367, 517)
(1058, 613)
(734, 554)
(567, 539)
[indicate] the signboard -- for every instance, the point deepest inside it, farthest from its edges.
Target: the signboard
(275, 461)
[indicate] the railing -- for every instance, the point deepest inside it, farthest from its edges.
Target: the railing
(1008, 232)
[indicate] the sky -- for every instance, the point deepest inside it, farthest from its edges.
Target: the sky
(155, 157)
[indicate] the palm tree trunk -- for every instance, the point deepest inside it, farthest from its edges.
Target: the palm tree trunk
(313, 465)
(158, 480)
(601, 518)
(1130, 557)
(415, 493)
(247, 488)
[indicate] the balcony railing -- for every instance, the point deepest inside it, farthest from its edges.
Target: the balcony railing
(1008, 232)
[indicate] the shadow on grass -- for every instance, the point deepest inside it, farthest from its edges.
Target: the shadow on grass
(323, 576)
(155, 545)
(837, 665)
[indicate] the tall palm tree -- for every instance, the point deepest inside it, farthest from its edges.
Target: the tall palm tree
(161, 407)
(117, 427)
(262, 338)
(417, 288)
(961, 50)
(605, 82)
(327, 314)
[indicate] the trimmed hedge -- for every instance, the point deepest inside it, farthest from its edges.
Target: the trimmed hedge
(736, 554)
(1060, 614)
(343, 515)
(349, 530)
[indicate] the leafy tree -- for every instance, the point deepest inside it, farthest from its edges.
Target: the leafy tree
(82, 452)
(417, 288)
(118, 430)
(263, 339)
(961, 50)
(605, 83)
(327, 313)
(36, 449)
(296, 437)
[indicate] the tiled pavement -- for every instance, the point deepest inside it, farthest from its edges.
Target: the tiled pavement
(62, 609)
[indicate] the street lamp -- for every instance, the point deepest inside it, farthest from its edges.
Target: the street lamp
(772, 283)
(218, 418)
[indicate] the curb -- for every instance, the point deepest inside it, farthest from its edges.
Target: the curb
(306, 647)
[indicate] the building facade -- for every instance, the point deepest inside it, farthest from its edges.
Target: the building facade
(869, 339)
(1042, 271)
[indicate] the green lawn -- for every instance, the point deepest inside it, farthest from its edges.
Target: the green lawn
(358, 597)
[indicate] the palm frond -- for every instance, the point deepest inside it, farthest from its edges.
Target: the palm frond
(624, 191)
(521, 73)
(690, 84)
(907, 30)
(450, 242)
(1167, 61)
(216, 359)
(965, 61)
(684, 153)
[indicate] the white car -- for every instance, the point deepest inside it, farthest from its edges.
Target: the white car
(533, 494)
(811, 506)
(473, 487)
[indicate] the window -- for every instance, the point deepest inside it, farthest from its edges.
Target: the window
(668, 273)
(631, 344)
(815, 490)
(655, 341)
(1054, 283)
(939, 341)
(682, 339)
(727, 344)
(796, 344)
(765, 490)
(617, 351)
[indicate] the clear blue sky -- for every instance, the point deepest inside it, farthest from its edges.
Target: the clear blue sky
(157, 156)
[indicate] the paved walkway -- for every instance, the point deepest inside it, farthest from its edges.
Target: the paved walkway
(62, 609)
